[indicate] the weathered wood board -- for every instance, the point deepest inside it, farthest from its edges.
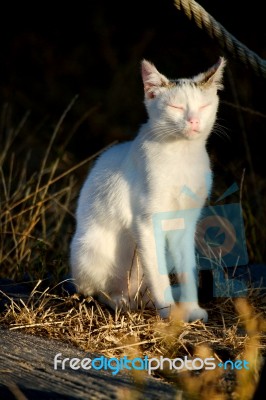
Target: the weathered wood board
(27, 372)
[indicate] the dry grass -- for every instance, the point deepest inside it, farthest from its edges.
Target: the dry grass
(34, 206)
(36, 212)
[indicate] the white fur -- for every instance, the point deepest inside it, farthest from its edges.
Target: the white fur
(130, 182)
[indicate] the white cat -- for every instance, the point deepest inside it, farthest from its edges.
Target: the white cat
(114, 244)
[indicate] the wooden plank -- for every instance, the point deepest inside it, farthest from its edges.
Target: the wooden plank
(27, 372)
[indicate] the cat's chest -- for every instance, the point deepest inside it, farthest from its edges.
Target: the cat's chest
(178, 164)
(173, 181)
(180, 178)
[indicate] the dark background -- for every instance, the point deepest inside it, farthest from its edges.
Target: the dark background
(50, 52)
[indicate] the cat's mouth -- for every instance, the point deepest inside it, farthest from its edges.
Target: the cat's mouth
(192, 134)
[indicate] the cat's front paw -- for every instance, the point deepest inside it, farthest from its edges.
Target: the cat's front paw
(197, 313)
(193, 314)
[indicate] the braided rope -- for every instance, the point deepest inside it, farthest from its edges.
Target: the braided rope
(215, 30)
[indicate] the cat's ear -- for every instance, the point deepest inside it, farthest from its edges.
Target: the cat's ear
(213, 76)
(152, 79)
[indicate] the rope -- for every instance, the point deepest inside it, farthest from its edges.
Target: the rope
(227, 41)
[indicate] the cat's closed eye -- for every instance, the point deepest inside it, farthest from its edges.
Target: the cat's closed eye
(182, 108)
(204, 106)
(179, 107)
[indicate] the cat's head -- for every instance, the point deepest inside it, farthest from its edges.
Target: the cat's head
(182, 108)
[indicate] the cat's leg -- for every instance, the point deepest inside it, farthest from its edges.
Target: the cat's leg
(89, 265)
(96, 274)
(126, 279)
(103, 265)
(156, 275)
(94, 261)
(182, 248)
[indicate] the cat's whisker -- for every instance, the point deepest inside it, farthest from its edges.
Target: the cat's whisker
(162, 133)
(220, 131)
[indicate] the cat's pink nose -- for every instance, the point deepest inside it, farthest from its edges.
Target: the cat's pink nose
(194, 123)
